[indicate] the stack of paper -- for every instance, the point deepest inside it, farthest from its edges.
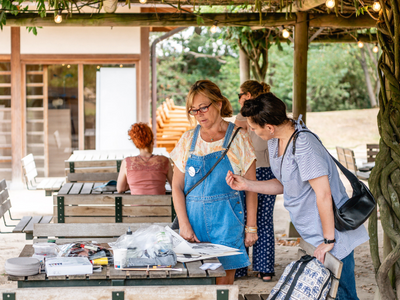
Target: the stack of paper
(186, 251)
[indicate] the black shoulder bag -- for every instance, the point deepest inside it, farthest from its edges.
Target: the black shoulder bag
(175, 224)
(358, 208)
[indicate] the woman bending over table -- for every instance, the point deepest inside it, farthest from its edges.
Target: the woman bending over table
(308, 179)
(145, 174)
(212, 211)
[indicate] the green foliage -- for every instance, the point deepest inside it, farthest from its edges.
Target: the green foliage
(178, 70)
(335, 80)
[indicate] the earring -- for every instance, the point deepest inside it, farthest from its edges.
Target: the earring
(272, 133)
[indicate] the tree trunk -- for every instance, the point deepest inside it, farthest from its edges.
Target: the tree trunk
(244, 65)
(385, 176)
(368, 83)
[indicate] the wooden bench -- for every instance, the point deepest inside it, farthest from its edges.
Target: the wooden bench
(25, 225)
(331, 263)
(79, 203)
(347, 159)
(48, 184)
(372, 151)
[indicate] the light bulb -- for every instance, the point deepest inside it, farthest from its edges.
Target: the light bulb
(121, 66)
(58, 18)
(330, 3)
(68, 66)
(375, 49)
(143, 1)
(213, 29)
(98, 67)
(376, 6)
(285, 33)
(360, 44)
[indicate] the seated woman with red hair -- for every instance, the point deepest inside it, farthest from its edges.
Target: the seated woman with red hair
(146, 173)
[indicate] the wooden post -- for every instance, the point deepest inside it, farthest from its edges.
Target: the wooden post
(143, 114)
(81, 109)
(244, 64)
(300, 66)
(16, 108)
(46, 121)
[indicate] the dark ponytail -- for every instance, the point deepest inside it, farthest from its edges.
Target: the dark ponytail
(265, 109)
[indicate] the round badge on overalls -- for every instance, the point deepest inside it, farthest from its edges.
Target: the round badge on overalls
(192, 171)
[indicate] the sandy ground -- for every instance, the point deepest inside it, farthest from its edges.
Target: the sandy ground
(358, 127)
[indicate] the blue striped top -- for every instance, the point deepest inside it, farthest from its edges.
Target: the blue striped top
(310, 161)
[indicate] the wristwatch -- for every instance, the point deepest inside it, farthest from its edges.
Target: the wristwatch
(326, 241)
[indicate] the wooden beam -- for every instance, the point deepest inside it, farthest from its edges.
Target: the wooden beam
(46, 121)
(16, 107)
(81, 109)
(143, 101)
(244, 66)
(51, 59)
(300, 66)
(186, 20)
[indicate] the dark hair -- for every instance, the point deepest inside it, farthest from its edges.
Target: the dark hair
(141, 135)
(255, 88)
(265, 109)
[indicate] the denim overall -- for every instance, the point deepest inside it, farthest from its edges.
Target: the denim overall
(215, 211)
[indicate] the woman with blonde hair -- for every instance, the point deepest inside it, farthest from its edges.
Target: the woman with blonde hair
(264, 248)
(145, 174)
(208, 209)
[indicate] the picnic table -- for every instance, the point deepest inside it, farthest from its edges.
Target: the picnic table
(188, 283)
(190, 274)
(80, 203)
(96, 166)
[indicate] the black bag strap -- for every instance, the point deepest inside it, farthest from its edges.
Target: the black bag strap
(294, 134)
(216, 163)
(304, 260)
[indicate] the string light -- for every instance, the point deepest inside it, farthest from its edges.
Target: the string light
(58, 18)
(121, 66)
(68, 66)
(375, 49)
(285, 33)
(98, 67)
(143, 1)
(360, 44)
(376, 6)
(214, 27)
(330, 3)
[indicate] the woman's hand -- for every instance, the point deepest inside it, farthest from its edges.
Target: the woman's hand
(321, 250)
(236, 182)
(250, 239)
(188, 234)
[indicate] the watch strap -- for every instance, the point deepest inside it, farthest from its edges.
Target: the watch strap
(326, 241)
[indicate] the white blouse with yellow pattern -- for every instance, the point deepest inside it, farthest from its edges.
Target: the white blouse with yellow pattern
(241, 154)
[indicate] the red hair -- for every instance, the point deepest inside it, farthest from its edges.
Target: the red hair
(141, 135)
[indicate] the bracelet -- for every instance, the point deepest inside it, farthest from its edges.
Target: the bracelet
(249, 229)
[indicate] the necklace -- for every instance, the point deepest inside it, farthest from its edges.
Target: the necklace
(220, 129)
(147, 160)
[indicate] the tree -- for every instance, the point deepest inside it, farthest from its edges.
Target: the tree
(385, 176)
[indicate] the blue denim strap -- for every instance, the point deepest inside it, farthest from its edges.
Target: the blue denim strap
(194, 140)
(228, 135)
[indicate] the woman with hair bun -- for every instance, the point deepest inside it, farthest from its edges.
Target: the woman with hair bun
(264, 248)
(211, 211)
(309, 180)
(145, 174)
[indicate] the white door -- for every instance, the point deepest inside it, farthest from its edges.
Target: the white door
(115, 108)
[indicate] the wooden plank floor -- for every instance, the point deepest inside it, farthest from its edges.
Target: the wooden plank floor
(253, 296)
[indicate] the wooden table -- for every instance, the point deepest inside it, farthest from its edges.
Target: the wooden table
(191, 274)
(95, 166)
(79, 203)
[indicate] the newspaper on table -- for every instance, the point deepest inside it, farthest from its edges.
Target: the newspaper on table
(187, 252)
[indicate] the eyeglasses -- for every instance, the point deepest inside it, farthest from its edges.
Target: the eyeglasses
(240, 95)
(202, 109)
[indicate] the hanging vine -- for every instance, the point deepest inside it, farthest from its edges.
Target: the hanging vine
(385, 177)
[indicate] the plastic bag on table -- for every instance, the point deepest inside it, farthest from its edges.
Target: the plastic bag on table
(146, 242)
